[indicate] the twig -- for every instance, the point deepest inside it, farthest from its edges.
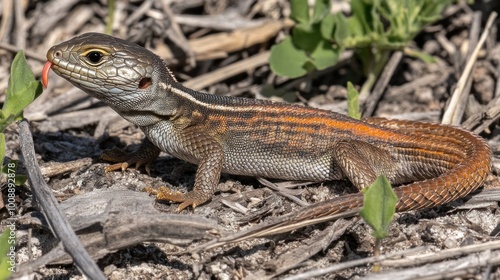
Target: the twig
(385, 77)
(226, 21)
(20, 30)
(59, 225)
(322, 271)
(32, 265)
(450, 114)
(386, 260)
(497, 87)
(450, 49)
(489, 114)
(52, 14)
(445, 254)
(28, 53)
(281, 192)
(6, 24)
(312, 246)
(473, 37)
(279, 225)
(176, 35)
(58, 168)
(138, 13)
(432, 79)
(223, 73)
(443, 270)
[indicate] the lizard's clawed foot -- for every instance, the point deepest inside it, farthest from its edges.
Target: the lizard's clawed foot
(187, 199)
(123, 160)
(146, 154)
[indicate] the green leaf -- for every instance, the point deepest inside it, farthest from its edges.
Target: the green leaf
(355, 26)
(286, 60)
(376, 23)
(328, 26)
(342, 28)
(334, 27)
(22, 88)
(379, 206)
(425, 57)
(306, 36)
(357, 37)
(325, 55)
(362, 11)
(432, 10)
(300, 11)
(367, 58)
(352, 102)
(321, 10)
(359, 13)
(19, 179)
(7, 247)
(7, 121)
(2, 147)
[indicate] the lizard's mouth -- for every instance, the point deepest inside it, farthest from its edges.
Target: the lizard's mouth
(45, 73)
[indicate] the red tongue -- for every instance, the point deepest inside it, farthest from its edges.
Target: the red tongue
(45, 74)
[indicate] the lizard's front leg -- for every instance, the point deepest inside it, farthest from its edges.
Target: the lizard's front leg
(210, 160)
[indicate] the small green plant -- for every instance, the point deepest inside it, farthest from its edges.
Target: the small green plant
(379, 206)
(22, 89)
(352, 102)
(373, 30)
(111, 17)
(306, 49)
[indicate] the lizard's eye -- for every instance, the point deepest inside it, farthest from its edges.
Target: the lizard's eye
(94, 56)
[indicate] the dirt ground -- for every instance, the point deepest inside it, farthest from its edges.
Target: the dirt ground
(131, 236)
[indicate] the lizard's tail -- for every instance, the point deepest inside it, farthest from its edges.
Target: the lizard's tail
(468, 174)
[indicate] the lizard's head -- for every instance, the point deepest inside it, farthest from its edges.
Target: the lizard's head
(122, 74)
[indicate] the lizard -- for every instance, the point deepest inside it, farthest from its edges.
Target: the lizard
(433, 163)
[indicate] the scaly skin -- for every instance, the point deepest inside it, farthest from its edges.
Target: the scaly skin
(267, 139)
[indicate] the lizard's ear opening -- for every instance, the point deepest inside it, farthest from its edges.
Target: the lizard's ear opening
(144, 83)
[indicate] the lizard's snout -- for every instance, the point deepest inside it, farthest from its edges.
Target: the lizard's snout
(53, 53)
